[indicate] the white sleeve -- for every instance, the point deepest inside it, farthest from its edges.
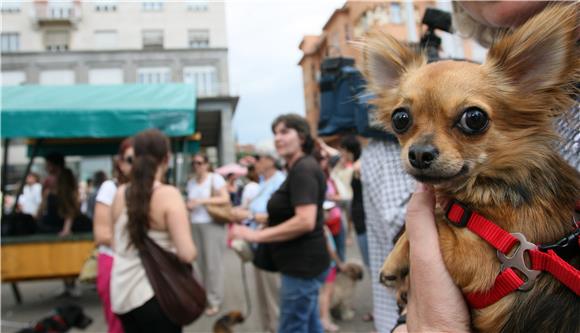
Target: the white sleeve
(250, 191)
(37, 193)
(107, 192)
(218, 181)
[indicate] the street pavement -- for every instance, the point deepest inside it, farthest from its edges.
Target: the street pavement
(41, 297)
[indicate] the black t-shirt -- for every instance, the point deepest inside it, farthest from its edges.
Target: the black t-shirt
(307, 255)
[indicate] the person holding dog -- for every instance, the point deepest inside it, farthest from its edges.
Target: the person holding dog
(435, 302)
(295, 227)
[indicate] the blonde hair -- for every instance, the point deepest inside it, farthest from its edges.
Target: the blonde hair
(467, 27)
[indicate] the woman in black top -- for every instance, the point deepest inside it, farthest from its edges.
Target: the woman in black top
(294, 231)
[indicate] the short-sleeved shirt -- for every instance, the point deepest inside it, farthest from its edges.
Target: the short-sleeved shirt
(106, 193)
(305, 256)
(202, 190)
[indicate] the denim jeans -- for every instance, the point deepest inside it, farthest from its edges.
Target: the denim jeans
(363, 245)
(299, 304)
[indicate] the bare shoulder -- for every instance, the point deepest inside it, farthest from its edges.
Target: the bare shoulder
(167, 194)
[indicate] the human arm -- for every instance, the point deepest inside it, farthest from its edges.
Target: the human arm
(102, 219)
(435, 302)
(303, 221)
(66, 228)
(102, 224)
(175, 215)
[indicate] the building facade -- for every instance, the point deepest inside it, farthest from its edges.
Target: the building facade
(352, 22)
(112, 42)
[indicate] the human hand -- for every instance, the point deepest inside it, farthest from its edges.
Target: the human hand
(242, 232)
(239, 214)
(64, 232)
(435, 302)
(192, 204)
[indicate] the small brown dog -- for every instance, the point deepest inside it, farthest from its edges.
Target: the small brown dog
(225, 323)
(344, 288)
(482, 134)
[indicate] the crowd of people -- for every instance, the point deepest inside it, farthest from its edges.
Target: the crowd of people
(296, 208)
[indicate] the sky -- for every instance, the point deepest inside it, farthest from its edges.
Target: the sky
(263, 39)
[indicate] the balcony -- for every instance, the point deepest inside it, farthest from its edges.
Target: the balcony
(57, 14)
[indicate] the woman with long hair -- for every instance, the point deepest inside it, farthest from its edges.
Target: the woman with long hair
(103, 230)
(145, 207)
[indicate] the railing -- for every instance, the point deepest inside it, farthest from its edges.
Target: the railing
(53, 12)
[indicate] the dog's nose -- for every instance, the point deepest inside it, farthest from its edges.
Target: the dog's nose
(421, 156)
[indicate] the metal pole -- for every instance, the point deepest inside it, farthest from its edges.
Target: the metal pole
(4, 173)
(28, 167)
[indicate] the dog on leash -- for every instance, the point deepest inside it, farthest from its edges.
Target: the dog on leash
(483, 135)
(344, 288)
(226, 322)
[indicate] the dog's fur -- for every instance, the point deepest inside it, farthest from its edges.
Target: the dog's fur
(226, 322)
(510, 173)
(65, 318)
(344, 288)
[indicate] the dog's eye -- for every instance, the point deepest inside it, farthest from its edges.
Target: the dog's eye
(473, 121)
(401, 120)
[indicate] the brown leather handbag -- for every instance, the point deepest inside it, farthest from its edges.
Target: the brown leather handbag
(180, 296)
(220, 213)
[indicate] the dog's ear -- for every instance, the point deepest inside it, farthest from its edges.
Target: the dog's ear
(540, 54)
(385, 60)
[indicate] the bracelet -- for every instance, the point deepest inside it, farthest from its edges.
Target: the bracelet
(400, 321)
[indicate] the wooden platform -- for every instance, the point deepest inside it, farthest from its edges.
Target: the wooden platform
(38, 257)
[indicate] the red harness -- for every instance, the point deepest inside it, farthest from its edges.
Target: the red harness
(542, 257)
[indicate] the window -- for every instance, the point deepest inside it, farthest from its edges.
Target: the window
(105, 39)
(57, 77)
(152, 39)
(106, 6)
(198, 38)
(203, 77)
(347, 32)
(197, 6)
(13, 78)
(10, 6)
(152, 6)
(153, 75)
(57, 40)
(60, 9)
(395, 11)
(106, 76)
(10, 42)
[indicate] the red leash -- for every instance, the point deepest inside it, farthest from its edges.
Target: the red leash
(542, 257)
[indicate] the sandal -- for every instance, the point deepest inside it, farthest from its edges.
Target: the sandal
(212, 311)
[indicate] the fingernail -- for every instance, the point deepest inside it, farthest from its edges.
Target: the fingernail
(420, 187)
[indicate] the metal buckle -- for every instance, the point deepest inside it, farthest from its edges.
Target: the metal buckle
(518, 262)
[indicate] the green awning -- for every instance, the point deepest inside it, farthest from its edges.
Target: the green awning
(97, 111)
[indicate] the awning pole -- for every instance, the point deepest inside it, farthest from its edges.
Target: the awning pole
(28, 167)
(4, 173)
(174, 173)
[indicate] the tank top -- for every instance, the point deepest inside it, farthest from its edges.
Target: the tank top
(130, 287)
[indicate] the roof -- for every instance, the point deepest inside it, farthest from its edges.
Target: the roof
(97, 111)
